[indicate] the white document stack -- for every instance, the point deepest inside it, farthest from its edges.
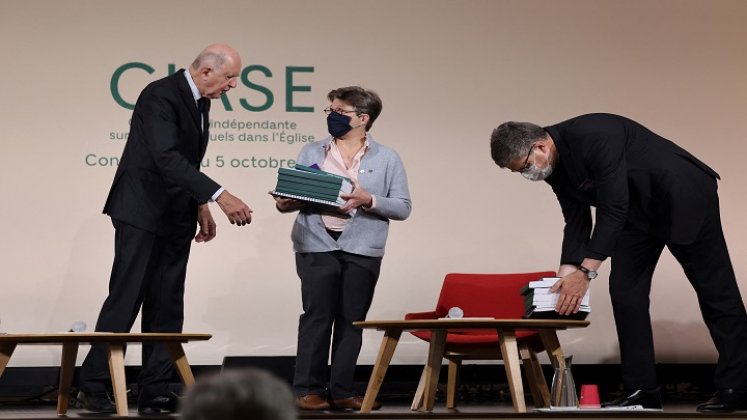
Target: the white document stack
(539, 302)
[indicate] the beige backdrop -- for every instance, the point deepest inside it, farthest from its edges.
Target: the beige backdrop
(448, 73)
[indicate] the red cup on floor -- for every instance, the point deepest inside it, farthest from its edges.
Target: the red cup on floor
(589, 396)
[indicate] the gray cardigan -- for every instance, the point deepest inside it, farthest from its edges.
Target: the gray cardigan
(383, 175)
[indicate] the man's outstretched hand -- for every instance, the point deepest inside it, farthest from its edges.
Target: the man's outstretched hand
(237, 212)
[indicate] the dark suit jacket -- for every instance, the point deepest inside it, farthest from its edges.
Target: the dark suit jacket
(631, 175)
(158, 183)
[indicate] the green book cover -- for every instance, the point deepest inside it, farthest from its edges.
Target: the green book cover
(305, 168)
(311, 184)
(307, 181)
(285, 186)
(312, 177)
(304, 189)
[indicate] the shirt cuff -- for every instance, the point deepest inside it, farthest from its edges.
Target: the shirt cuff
(217, 193)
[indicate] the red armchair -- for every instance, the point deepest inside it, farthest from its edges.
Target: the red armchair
(485, 295)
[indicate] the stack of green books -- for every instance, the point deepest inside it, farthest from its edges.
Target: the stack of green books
(539, 302)
(310, 184)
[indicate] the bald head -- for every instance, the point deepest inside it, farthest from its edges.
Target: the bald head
(215, 70)
(216, 56)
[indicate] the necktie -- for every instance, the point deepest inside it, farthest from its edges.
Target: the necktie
(201, 111)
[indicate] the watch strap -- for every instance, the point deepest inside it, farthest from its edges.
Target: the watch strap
(590, 274)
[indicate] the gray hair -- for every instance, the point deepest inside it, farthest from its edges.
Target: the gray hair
(512, 140)
(214, 59)
(239, 395)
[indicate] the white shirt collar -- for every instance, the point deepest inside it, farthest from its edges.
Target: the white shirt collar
(195, 92)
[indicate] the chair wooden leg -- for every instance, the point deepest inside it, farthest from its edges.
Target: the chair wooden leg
(417, 401)
(535, 376)
(455, 366)
(67, 370)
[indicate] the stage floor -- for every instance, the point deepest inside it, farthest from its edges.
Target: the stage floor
(394, 411)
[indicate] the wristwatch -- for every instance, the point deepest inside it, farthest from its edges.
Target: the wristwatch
(590, 274)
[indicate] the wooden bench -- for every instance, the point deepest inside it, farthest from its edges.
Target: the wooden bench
(115, 344)
(506, 328)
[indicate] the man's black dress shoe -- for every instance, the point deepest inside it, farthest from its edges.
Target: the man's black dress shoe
(725, 401)
(99, 403)
(160, 404)
(646, 398)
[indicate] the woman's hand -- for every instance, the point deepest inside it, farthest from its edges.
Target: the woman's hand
(285, 204)
(359, 197)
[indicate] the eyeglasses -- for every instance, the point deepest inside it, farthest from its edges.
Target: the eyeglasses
(340, 111)
(526, 164)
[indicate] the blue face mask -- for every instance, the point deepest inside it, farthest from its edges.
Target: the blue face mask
(338, 124)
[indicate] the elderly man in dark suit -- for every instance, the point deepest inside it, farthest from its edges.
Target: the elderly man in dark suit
(648, 193)
(156, 201)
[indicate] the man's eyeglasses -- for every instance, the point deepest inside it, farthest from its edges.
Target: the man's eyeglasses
(526, 164)
(340, 111)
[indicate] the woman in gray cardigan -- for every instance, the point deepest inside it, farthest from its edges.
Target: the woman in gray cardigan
(339, 250)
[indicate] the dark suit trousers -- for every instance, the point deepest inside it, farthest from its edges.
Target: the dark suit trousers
(707, 266)
(336, 289)
(148, 272)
